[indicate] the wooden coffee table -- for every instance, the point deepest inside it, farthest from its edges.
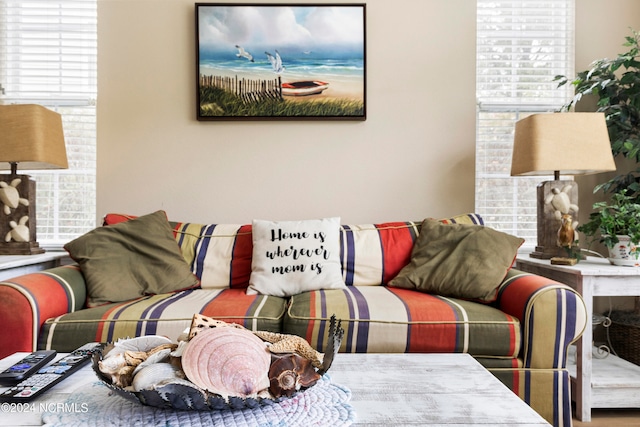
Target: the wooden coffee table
(387, 389)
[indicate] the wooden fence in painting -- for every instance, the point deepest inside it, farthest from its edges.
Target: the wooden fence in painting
(248, 90)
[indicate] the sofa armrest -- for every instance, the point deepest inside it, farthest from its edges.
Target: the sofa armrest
(552, 316)
(27, 301)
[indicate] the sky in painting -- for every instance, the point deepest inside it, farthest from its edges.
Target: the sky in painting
(336, 29)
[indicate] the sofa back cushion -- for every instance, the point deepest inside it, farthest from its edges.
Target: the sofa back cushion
(373, 254)
(139, 256)
(219, 254)
(370, 254)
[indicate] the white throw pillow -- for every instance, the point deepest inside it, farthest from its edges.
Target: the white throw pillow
(291, 257)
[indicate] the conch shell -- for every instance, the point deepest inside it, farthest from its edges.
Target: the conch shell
(227, 361)
(290, 372)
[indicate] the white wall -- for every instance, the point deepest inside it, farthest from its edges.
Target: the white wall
(413, 157)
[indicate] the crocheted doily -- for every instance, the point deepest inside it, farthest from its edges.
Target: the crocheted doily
(324, 404)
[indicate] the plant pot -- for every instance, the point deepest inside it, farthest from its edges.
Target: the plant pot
(625, 253)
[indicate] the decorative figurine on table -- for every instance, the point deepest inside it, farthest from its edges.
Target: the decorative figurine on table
(567, 239)
(561, 203)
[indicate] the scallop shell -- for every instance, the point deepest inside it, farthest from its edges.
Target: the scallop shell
(154, 374)
(227, 361)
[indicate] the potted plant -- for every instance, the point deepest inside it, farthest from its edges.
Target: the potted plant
(616, 85)
(617, 222)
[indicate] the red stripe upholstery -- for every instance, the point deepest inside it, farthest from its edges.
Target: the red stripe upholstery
(27, 301)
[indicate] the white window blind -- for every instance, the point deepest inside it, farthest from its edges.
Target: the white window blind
(521, 46)
(48, 51)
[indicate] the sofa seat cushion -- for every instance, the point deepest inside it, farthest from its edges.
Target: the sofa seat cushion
(165, 314)
(379, 319)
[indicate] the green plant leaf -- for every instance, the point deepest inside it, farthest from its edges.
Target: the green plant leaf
(618, 97)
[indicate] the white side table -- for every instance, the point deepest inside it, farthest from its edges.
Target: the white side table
(595, 277)
(16, 265)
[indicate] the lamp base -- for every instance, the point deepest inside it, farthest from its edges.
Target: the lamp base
(553, 198)
(20, 248)
(541, 252)
(18, 215)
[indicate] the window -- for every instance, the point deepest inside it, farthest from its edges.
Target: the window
(48, 57)
(521, 46)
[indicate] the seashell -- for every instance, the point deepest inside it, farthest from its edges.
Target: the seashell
(117, 369)
(112, 363)
(178, 351)
(227, 361)
(202, 323)
(123, 377)
(143, 343)
(290, 372)
(134, 358)
(157, 357)
(285, 343)
(151, 375)
(184, 335)
(162, 347)
(180, 381)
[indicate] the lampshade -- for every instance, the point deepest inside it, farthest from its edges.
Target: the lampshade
(571, 143)
(32, 136)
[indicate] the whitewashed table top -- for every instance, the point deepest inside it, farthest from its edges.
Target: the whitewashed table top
(428, 389)
(387, 389)
(591, 266)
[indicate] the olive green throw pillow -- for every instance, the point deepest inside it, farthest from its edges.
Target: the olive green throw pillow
(458, 260)
(131, 259)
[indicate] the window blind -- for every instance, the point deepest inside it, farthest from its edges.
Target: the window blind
(48, 53)
(521, 46)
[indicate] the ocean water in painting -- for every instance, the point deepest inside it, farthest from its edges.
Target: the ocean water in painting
(301, 67)
(313, 43)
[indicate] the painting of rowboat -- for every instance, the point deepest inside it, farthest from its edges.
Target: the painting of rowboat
(280, 61)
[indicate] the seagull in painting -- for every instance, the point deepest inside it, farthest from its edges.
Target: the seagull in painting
(276, 62)
(243, 53)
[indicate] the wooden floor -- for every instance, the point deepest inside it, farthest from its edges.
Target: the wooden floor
(611, 418)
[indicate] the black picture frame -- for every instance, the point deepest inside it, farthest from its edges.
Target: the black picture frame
(286, 61)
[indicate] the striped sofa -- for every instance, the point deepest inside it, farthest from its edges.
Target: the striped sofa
(522, 337)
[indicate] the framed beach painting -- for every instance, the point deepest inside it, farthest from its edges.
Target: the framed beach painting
(280, 61)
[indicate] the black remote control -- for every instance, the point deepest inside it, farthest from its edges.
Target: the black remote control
(27, 366)
(49, 376)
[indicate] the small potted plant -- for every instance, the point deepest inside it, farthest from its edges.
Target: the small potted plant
(617, 222)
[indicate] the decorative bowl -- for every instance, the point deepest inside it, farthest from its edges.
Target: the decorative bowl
(185, 395)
